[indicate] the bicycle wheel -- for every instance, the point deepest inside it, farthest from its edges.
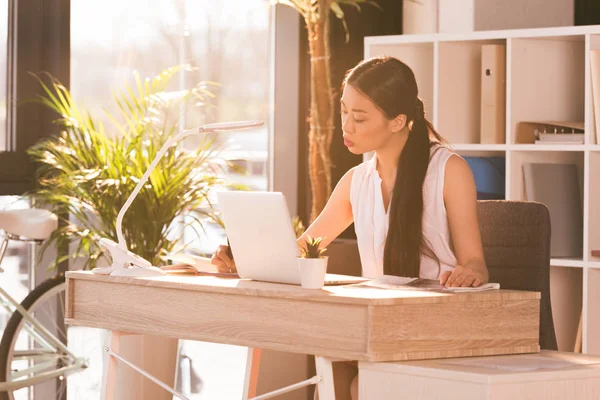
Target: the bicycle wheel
(25, 351)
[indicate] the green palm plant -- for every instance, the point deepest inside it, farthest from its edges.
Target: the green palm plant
(86, 174)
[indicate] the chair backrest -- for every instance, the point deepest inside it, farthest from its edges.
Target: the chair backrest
(516, 246)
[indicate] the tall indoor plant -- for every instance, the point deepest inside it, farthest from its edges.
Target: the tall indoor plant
(316, 15)
(86, 172)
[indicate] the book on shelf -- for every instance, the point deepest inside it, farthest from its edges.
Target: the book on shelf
(404, 283)
(560, 138)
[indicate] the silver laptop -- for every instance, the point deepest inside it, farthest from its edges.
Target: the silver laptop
(262, 239)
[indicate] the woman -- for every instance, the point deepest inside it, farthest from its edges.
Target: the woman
(413, 203)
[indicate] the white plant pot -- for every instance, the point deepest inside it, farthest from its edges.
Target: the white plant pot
(312, 272)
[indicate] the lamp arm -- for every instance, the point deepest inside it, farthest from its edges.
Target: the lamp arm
(173, 140)
(124, 262)
(222, 126)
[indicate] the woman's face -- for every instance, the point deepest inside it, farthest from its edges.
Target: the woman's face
(365, 127)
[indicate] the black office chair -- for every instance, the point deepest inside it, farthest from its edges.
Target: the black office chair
(516, 246)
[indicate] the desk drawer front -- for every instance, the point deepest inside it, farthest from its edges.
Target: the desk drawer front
(455, 330)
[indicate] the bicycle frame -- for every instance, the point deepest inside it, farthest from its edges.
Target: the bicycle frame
(53, 349)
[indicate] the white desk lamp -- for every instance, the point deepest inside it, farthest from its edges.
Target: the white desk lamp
(126, 263)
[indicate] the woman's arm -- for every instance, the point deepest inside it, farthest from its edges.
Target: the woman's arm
(460, 198)
(335, 217)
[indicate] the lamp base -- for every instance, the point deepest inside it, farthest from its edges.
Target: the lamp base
(125, 263)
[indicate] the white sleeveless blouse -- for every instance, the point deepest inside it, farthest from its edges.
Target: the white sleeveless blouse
(371, 221)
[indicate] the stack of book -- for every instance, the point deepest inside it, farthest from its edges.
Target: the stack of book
(560, 133)
(551, 132)
(559, 138)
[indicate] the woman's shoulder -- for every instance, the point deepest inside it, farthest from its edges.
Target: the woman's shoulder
(362, 170)
(449, 165)
(440, 151)
(457, 167)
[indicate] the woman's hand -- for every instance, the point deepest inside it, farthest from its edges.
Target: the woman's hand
(464, 276)
(223, 261)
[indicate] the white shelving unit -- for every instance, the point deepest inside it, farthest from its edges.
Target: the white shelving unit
(548, 78)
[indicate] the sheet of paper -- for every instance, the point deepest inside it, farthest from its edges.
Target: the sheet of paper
(387, 282)
(516, 363)
(487, 286)
(403, 283)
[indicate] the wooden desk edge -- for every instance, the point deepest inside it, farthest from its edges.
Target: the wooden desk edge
(332, 294)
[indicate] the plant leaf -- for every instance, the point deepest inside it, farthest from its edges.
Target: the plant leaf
(88, 173)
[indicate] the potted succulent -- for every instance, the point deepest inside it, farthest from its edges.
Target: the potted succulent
(312, 264)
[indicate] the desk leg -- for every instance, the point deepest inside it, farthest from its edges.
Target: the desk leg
(109, 375)
(325, 386)
(251, 376)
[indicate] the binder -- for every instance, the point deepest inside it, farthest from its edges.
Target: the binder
(493, 94)
(557, 186)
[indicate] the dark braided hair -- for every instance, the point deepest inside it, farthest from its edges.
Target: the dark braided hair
(392, 87)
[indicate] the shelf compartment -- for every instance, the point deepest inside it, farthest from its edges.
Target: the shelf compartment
(545, 80)
(593, 212)
(420, 58)
(460, 90)
(591, 308)
(489, 173)
(566, 296)
(546, 183)
(519, 157)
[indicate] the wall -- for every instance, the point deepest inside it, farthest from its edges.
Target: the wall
(451, 16)
(520, 14)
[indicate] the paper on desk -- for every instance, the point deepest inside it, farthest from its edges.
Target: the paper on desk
(388, 282)
(485, 286)
(516, 363)
(398, 282)
(188, 263)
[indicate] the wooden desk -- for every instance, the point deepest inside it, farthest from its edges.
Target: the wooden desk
(484, 378)
(339, 322)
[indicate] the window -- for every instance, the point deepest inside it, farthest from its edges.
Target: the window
(226, 42)
(3, 68)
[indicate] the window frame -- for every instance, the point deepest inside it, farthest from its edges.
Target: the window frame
(285, 102)
(38, 41)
